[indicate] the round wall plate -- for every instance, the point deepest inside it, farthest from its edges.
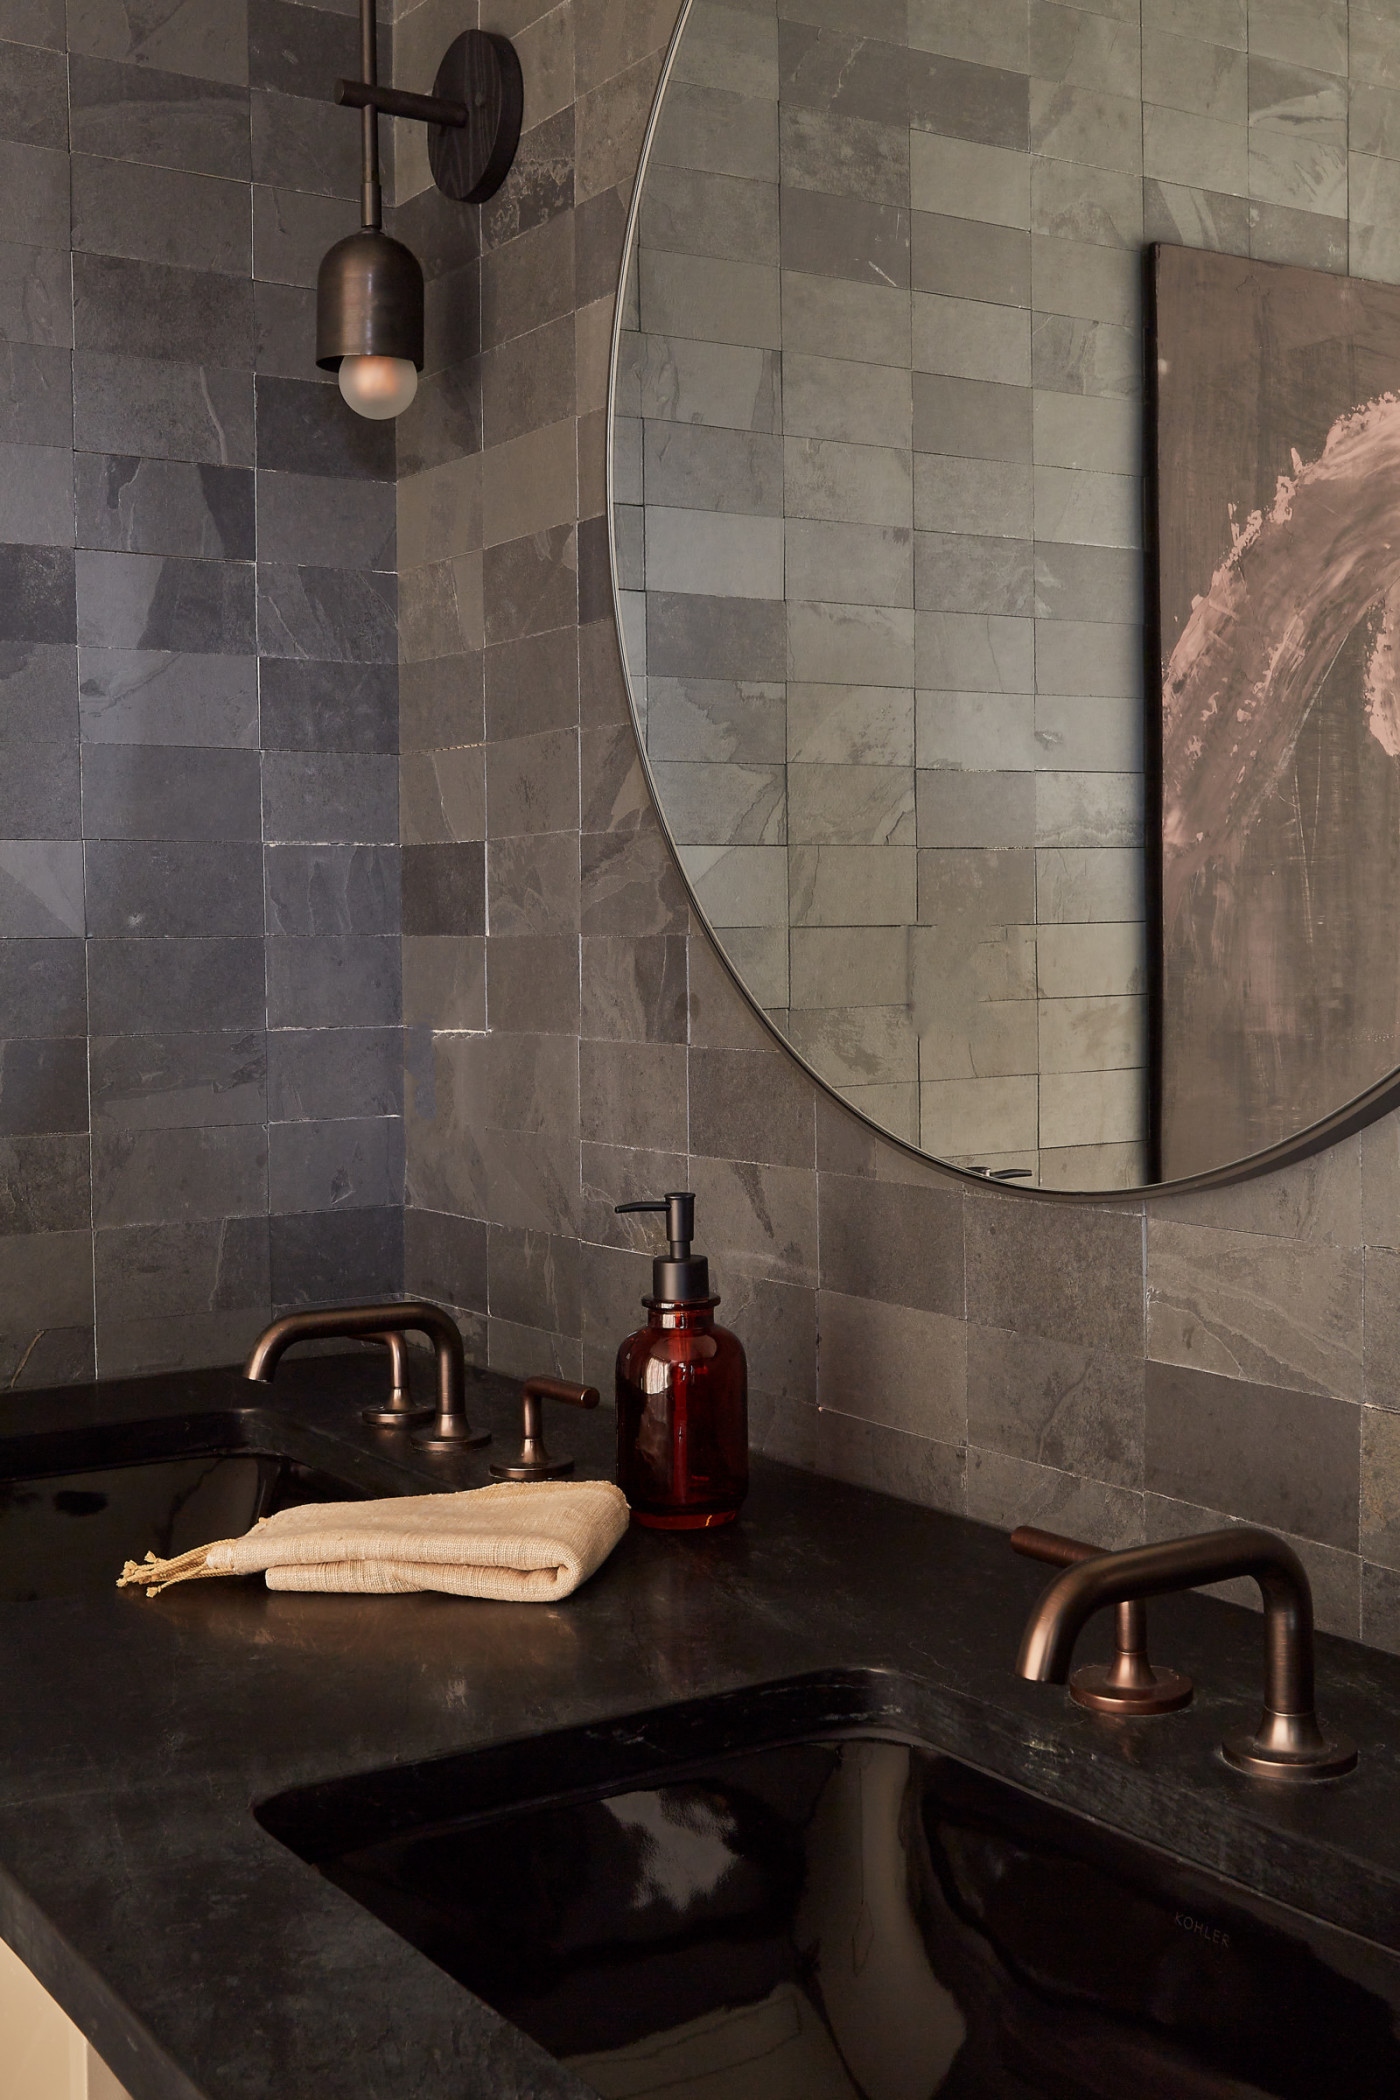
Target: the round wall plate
(471, 161)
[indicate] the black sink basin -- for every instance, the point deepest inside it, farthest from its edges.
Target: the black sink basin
(76, 1504)
(840, 1914)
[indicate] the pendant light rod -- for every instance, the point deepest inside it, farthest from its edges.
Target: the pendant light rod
(374, 102)
(371, 196)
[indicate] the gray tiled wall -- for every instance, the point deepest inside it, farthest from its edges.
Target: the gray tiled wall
(570, 1041)
(200, 1056)
(1114, 1369)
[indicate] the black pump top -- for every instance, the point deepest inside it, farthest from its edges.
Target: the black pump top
(678, 1277)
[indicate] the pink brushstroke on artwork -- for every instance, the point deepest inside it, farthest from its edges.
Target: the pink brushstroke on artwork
(1254, 653)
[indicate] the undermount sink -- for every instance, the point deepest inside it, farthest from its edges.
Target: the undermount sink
(714, 1902)
(76, 1504)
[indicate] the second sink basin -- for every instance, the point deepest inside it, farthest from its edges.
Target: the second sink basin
(716, 1902)
(76, 1504)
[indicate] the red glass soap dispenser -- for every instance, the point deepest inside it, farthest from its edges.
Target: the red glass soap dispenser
(682, 1393)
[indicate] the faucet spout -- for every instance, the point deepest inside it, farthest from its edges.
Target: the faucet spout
(450, 1430)
(1288, 1742)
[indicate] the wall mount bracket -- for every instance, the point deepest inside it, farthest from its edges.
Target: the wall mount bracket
(473, 114)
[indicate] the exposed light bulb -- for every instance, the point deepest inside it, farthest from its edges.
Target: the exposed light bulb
(378, 387)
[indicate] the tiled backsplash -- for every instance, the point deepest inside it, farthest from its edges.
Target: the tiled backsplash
(201, 1088)
(1115, 1370)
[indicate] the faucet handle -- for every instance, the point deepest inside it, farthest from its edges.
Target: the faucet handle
(1129, 1684)
(536, 1462)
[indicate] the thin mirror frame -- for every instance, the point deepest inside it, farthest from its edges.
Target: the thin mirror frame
(1317, 1137)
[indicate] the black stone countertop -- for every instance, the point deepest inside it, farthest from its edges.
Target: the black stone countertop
(206, 1962)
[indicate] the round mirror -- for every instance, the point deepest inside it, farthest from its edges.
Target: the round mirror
(1062, 845)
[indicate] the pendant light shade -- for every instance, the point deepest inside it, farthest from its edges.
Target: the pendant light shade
(369, 301)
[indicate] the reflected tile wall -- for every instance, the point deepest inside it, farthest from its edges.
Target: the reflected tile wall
(201, 1080)
(916, 492)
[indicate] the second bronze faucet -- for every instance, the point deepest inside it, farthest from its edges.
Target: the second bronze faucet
(1288, 1742)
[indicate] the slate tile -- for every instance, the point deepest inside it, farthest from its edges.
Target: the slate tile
(159, 1176)
(133, 791)
(33, 96)
(36, 303)
(178, 1081)
(151, 506)
(633, 1094)
(173, 888)
(634, 989)
(1060, 1404)
(539, 186)
(1290, 1460)
(334, 981)
(35, 180)
(305, 428)
(444, 889)
(205, 38)
(1008, 1491)
(532, 884)
(327, 614)
(284, 333)
(325, 522)
(324, 1256)
(334, 1072)
(166, 120)
(43, 1085)
(298, 144)
(444, 420)
(531, 682)
(45, 1281)
(160, 409)
(532, 783)
(38, 692)
(350, 1164)
(153, 987)
(292, 229)
(1083, 1284)
(45, 1184)
(152, 1272)
(315, 797)
(532, 986)
(40, 888)
(300, 50)
(39, 792)
(139, 601)
(332, 889)
(37, 22)
(325, 707)
(36, 395)
(167, 696)
(148, 309)
(1253, 1307)
(751, 1105)
(43, 988)
(902, 1246)
(160, 215)
(445, 1257)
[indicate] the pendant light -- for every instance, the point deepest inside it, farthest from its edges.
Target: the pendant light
(369, 290)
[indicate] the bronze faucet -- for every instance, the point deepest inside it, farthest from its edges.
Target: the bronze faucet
(1288, 1743)
(450, 1431)
(1129, 1684)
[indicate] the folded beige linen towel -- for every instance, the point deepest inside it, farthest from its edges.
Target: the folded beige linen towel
(524, 1542)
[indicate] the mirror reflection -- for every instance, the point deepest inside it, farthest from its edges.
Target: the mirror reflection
(877, 461)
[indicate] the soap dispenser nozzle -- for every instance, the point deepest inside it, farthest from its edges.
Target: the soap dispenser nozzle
(678, 1277)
